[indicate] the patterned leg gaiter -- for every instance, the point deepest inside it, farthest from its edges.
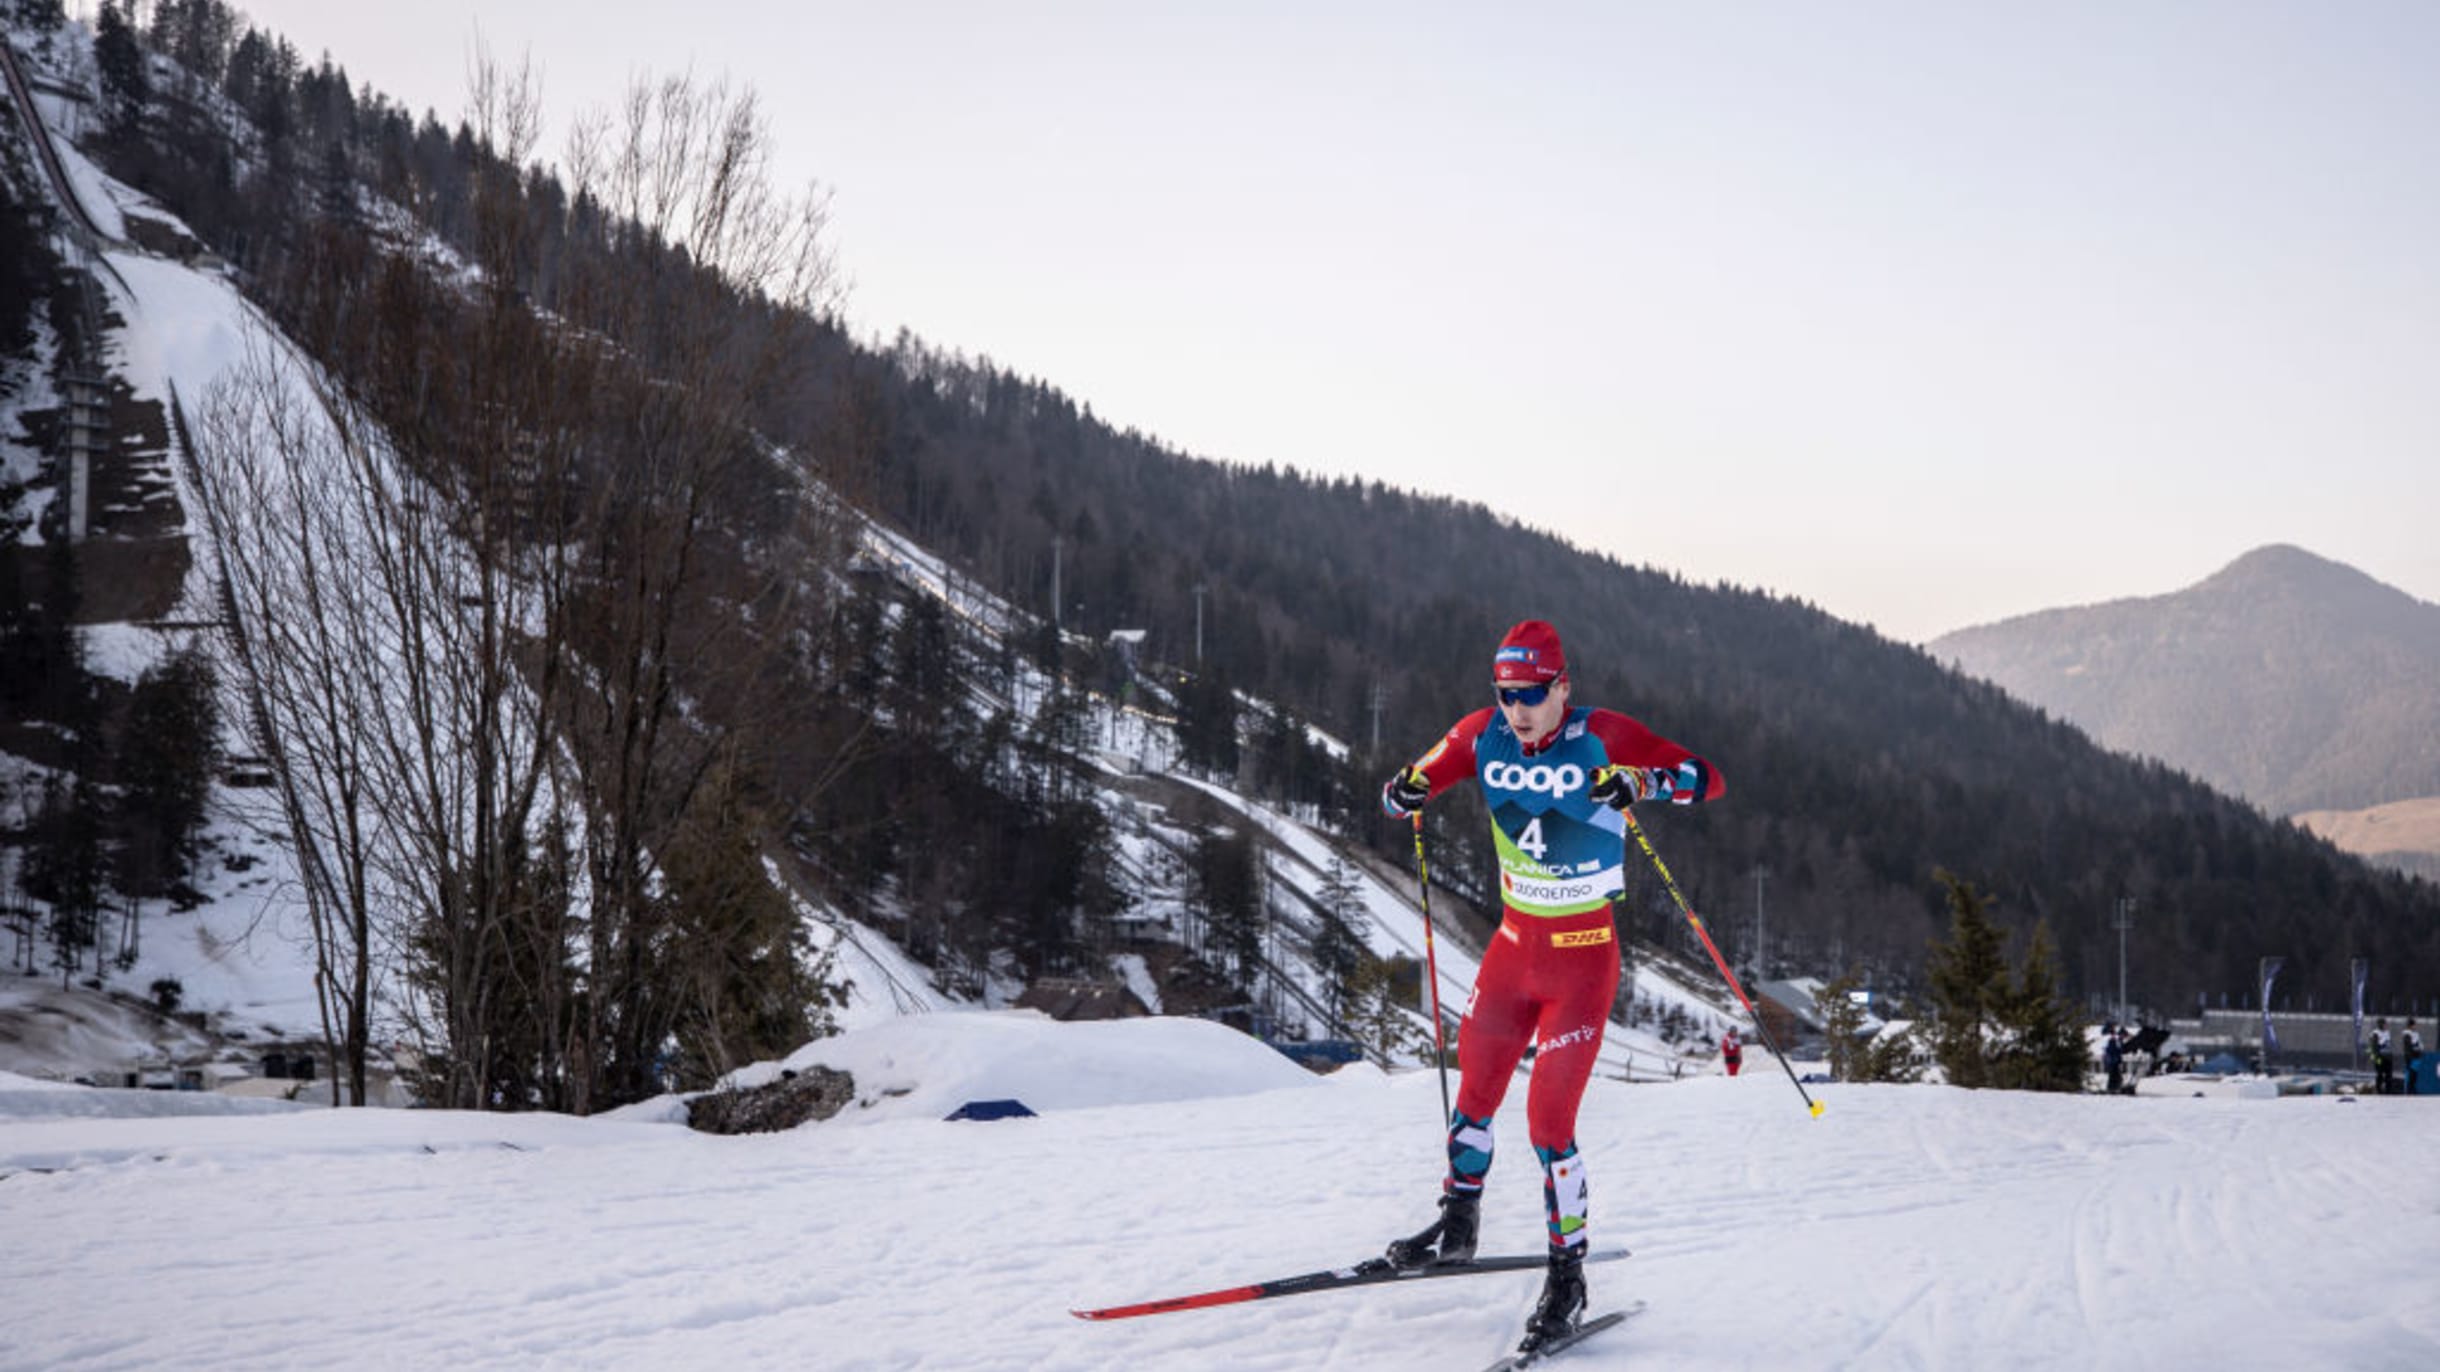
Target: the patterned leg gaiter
(1565, 1200)
(1469, 1152)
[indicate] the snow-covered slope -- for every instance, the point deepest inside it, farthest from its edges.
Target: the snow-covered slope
(1906, 1228)
(243, 955)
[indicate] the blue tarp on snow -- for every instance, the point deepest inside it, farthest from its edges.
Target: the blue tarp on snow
(992, 1110)
(1334, 1052)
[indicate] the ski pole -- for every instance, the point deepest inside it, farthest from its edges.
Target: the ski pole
(1431, 970)
(1716, 960)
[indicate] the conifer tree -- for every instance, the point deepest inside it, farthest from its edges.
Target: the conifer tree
(1379, 1021)
(1969, 980)
(64, 867)
(1337, 953)
(924, 668)
(39, 17)
(17, 643)
(1853, 1057)
(1052, 879)
(1063, 733)
(1992, 1030)
(126, 90)
(740, 991)
(1207, 724)
(1228, 894)
(1843, 1026)
(1279, 747)
(168, 749)
(48, 670)
(2045, 1050)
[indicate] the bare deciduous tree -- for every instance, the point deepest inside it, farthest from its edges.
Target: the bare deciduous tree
(708, 285)
(513, 570)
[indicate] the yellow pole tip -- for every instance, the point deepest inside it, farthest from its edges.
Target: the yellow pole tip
(1817, 1109)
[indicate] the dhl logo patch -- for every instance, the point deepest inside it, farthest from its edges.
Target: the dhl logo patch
(1581, 938)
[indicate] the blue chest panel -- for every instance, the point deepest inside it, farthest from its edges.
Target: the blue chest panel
(1559, 849)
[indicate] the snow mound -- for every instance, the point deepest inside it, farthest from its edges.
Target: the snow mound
(925, 1066)
(63, 1032)
(23, 1099)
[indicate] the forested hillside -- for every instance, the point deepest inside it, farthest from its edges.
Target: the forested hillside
(1855, 766)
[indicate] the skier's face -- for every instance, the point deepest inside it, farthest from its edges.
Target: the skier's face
(1532, 719)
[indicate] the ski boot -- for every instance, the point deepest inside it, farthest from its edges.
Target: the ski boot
(1562, 1303)
(1449, 1239)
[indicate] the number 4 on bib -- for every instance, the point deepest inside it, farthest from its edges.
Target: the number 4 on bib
(1531, 843)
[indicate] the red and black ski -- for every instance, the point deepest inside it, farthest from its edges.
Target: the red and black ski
(1375, 1272)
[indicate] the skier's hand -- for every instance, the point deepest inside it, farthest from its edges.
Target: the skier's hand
(1620, 787)
(1406, 792)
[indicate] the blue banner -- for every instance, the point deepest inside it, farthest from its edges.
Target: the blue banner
(2270, 1036)
(2362, 968)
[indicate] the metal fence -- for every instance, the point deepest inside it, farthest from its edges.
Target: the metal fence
(2303, 1040)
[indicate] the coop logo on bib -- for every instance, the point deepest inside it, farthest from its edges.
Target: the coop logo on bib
(1516, 776)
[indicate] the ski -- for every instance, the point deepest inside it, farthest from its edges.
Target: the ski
(1371, 1273)
(1579, 1334)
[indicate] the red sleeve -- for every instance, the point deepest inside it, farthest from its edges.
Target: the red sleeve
(1451, 760)
(1630, 744)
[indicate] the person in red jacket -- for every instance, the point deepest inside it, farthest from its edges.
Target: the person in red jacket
(1557, 778)
(1732, 1052)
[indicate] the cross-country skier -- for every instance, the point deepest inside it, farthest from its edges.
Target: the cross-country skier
(1732, 1051)
(1557, 779)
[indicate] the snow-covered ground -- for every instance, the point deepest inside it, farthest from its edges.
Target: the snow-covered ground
(243, 956)
(1907, 1227)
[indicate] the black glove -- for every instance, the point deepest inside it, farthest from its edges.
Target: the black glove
(1620, 787)
(1406, 792)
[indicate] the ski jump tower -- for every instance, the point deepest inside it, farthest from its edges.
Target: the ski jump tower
(87, 395)
(83, 383)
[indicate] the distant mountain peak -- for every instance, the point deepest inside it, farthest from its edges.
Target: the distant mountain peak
(2285, 677)
(2278, 567)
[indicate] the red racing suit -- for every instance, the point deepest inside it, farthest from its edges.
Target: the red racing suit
(1552, 971)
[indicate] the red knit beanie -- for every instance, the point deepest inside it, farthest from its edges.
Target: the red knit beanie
(1530, 653)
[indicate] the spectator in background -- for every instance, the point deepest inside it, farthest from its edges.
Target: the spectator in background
(2384, 1070)
(2114, 1056)
(2410, 1047)
(1732, 1052)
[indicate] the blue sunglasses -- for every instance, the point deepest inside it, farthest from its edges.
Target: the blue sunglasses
(1523, 695)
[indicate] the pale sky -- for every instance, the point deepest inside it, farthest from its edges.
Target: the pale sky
(1927, 313)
